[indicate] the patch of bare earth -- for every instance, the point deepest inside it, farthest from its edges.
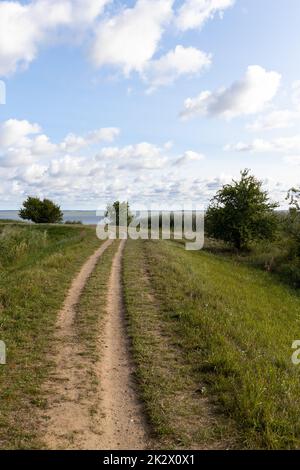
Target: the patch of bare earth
(124, 426)
(78, 415)
(67, 416)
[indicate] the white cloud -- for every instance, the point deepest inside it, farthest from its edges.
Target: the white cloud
(130, 38)
(105, 134)
(22, 143)
(24, 27)
(194, 13)
(69, 166)
(73, 142)
(32, 173)
(279, 119)
(189, 156)
(139, 156)
(15, 157)
(246, 96)
(13, 132)
(288, 145)
(41, 145)
(181, 61)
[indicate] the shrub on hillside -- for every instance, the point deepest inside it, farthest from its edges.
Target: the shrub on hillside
(73, 222)
(41, 211)
(241, 212)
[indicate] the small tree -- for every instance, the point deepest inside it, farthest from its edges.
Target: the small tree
(41, 211)
(118, 212)
(241, 212)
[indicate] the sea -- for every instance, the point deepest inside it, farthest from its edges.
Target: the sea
(85, 217)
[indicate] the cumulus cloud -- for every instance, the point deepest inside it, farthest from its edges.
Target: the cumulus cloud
(244, 97)
(22, 142)
(139, 156)
(194, 13)
(130, 38)
(182, 61)
(126, 38)
(73, 142)
(13, 132)
(24, 27)
(189, 156)
(279, 119)
(281, 145)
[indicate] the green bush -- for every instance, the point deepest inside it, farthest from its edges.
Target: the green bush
(241, 213)
(73, 222)
(41, 212)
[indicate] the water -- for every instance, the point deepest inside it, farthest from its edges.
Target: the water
(86, 217)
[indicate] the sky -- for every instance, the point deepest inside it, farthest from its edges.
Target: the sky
(158, 102)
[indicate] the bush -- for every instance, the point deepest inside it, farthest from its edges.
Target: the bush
(41, 212)
(241, 213)
(73, 222)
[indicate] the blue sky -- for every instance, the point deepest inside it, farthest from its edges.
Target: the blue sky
(126, 82)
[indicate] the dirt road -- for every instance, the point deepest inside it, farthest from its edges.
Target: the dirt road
(124, 426)
(118, 421)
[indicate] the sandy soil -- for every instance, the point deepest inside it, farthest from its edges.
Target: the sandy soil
(117, 419)
(124, 426)
(68, 422)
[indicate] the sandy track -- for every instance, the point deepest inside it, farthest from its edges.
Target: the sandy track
(68, 423)
(117, 420)
(124, 426)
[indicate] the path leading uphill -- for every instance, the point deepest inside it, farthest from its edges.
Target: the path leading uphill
(124, 426)
(119, 421)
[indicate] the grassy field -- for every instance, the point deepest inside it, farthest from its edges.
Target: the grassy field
(37, 264)
(212, 339)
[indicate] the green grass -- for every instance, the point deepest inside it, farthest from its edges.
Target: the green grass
(175, 399)
(232, 327)
(37, 264)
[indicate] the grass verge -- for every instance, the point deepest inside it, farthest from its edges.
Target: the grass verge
(176, 401)
(232, 327)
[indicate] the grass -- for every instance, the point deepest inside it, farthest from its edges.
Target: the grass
(37, 264)
(281, 256)
(175, 400)
(230, 328)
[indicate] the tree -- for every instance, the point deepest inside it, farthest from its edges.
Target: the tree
(119, 212)
(241, 212)
(41, 211)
